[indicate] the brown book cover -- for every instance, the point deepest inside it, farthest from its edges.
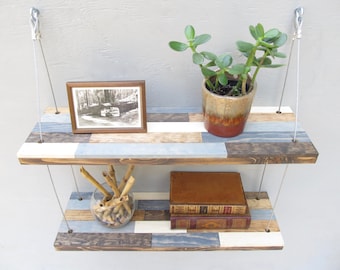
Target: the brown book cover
(216, 193)
(210, 222)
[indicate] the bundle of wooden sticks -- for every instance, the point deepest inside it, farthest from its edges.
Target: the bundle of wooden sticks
(115, 208)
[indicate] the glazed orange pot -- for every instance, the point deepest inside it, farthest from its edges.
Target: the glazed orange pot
(226, 116)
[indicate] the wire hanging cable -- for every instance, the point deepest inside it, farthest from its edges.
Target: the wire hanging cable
(69, 230)
(76, 184)
(276, 199)
(261, 182)
(49, 78)
(296, 36)
(36, 37)
(286, 75)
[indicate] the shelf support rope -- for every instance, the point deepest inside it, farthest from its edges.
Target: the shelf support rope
(261, 182)
(277, 198)
(76, 184)
(296, 36)
(69, 230)
(36, 37)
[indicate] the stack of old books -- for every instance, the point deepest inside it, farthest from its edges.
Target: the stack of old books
(208, 200)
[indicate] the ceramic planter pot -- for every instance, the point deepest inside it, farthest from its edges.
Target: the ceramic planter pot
(226, 116)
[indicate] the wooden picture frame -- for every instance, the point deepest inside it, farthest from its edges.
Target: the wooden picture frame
(107, 107)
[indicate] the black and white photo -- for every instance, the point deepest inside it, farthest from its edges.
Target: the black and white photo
(101, 107)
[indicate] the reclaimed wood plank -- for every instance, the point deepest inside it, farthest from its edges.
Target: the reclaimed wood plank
(151, 137)
(267, 137)
(100, 241)
(251, 240)
(151, 218)
(189, 241)
(155, 150)
(58, 137)
(167, 117)
(81, 215)
(259, 153)
(41, 150)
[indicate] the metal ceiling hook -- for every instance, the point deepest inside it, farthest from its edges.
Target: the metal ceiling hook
(298, 21)
(35, 23)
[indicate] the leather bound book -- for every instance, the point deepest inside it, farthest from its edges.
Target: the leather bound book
(210, 222)
(207, 193)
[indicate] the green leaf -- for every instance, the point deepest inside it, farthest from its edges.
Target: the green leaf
(189, 32)
(237, 69)
(178, 46)
(201, 39)
(267, 61)
(259, 30)
(197, 58)
(210, 64)
(222, 79)
(279, 55)
(244, 47)
(208, 72)
(272, 66)
(224, 61)
(271, 34)
(252, 31)
(281, 40)
(209, 56)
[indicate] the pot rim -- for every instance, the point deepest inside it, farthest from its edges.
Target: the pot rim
(252, 91)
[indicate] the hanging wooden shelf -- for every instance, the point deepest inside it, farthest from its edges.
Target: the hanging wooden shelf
(150, 229)
(172, 138)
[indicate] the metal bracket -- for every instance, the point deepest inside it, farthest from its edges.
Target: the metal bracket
(35, 23)
(298, 22)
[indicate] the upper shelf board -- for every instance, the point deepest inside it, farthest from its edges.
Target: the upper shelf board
(172, 138)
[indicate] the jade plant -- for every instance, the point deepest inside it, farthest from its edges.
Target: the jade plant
(215, 68)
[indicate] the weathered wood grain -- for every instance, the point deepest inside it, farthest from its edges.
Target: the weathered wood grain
(272, 153)
(150, 229)
(167, 117)
(58, 137)
(175, 138)
(154, 137)
(103, 241)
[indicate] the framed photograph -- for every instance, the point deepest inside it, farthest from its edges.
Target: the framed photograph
(107, 107)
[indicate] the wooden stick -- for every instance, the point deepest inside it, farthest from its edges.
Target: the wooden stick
(126, 177)
(124, 193)
(112, 185)
(94, 182)
(112, 174)
(129, 183)
(117, 202)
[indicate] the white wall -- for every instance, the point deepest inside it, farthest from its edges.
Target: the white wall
(122, 40)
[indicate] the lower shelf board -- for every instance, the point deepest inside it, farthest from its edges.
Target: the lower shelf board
(150, 229)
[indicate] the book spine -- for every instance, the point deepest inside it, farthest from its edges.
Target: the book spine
(207, 209)
(208, 223)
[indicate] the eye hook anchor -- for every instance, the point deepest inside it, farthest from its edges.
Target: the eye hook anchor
(35, 23)
(298, 22)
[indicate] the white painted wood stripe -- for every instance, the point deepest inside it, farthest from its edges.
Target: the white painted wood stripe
(251, 239)
(270, 109)
(47, 150)
(155, 226)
